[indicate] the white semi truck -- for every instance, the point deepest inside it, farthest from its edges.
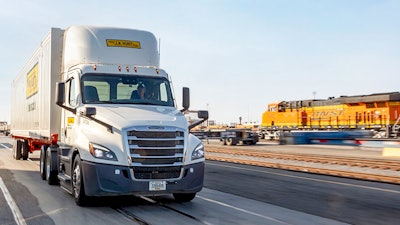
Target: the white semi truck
(95, 103)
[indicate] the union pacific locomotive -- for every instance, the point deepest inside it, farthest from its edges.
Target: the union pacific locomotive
(379, 112)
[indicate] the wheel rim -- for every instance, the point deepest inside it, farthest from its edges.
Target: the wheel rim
(76, 180)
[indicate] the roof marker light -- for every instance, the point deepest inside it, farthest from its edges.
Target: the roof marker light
(94, 67)
(135, 69)
(119, 68)
(157, 71)
(127, 68)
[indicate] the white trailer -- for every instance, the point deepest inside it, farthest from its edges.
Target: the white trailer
(96, 104)
(35, 116)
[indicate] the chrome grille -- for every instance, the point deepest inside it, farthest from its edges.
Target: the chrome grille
(156, 153)
(156, 143)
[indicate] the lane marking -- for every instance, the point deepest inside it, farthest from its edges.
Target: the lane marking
(311, 179)
(242, 210)
(52, 212)
(4, 146)
(19, 219)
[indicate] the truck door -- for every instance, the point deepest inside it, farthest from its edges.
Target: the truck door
(69, 118)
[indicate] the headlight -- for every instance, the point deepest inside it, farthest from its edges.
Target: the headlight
(198, 152)
(101, 152)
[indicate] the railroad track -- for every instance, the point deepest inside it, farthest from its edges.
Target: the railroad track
(283, 161)
(128, 213)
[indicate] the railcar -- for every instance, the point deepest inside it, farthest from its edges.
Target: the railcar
(378, 112)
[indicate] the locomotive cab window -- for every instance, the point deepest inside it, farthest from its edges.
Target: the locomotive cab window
(381, 104)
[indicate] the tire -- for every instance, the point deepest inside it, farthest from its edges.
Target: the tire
(51, 167)
(17, 149)
(229, 141)
(25, 150)
(78, 186)
(223, 141)
(43, 172)
(184, 197)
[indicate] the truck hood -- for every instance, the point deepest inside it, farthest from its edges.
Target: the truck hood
(124, 116)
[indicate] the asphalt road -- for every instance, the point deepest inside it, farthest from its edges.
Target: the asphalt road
(233, 194)
(347, 200)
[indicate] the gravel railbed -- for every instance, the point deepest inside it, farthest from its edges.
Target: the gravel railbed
(342, 151)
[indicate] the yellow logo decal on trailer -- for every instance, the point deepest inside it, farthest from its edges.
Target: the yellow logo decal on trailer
(32, 79)
(122, 43)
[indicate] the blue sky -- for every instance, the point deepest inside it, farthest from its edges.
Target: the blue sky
(236, 56)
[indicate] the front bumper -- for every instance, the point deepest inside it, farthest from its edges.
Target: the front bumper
(111, 180)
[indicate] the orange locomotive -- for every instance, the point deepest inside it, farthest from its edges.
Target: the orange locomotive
(379, 112)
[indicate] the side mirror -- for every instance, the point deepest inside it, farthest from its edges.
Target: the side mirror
(60, 96)
(203, 114)
(60, 93)
(185, 98)
(88, 111)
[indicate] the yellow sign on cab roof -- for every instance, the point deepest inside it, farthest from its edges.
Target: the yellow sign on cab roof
(123, 43)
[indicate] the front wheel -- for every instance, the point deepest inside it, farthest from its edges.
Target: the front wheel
(184, 197)
(78, 188)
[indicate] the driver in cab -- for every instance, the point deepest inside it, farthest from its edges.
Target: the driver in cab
(140, 92)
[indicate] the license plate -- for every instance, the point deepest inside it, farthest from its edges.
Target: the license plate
(157, 185)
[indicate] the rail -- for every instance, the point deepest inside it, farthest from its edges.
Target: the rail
(282, 161)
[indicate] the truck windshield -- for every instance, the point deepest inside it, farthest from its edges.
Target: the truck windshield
(125, 89)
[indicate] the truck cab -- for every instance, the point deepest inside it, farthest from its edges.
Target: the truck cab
(120, 131)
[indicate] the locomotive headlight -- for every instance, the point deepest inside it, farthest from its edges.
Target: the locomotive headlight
(198, 152)
(101, 152)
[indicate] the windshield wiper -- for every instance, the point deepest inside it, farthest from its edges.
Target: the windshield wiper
(97, 102)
